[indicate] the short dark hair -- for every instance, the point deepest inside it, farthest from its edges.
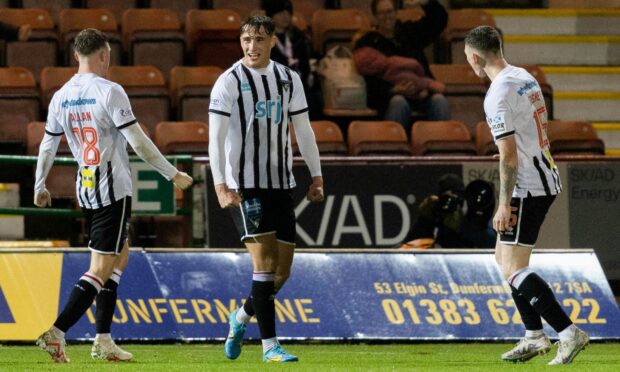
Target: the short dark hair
(374, 3)
(485, 39)
(256, 22)
(89, 41)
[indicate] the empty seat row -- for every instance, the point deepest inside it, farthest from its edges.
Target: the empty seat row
(441, 138)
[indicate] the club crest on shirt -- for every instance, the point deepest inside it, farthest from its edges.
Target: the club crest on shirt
(286, 84)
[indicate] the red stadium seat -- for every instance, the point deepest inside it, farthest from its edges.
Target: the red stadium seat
(42, 43)
(190, 91)
(212, 37)
(377, 138)
(147, 92)
(441, 138)
(153, 37)
(182, 137)
(19, 103)
(73, 21)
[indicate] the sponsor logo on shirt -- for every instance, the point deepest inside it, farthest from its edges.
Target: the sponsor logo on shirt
(79, 102)
(265, 108)
(497, 124)
(528, 86)
(245, 87)
(126, 112)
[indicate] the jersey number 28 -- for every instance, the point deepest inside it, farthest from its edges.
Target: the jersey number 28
(88, 140)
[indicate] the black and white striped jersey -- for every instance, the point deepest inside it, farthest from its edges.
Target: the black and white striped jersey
(260, 103)
(514, 105)
(90, 110)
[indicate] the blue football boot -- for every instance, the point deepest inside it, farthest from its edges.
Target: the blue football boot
(232, 346)
(278, 354)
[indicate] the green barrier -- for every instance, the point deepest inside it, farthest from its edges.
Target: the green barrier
(152, 194)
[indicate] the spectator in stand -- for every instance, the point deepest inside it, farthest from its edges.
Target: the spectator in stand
(293, 49)
(396, 100)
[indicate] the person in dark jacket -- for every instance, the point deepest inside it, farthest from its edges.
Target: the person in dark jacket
(393, 37)
(293, 49)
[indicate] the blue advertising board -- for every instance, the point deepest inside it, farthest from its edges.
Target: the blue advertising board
(395, 295)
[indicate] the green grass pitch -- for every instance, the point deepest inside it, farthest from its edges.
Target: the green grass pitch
(323, 358)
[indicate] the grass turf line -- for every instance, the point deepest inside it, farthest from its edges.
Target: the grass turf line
(323, 358)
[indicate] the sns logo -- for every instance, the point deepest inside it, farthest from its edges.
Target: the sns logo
(266, 109)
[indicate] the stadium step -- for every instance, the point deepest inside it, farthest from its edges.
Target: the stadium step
(590, 106)
(589, 79)
(562, 50)
(610, 134)
(579, 22)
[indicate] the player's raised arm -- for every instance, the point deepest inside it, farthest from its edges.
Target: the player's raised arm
(148, 152)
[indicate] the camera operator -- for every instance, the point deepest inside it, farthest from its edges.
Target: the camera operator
(457, 217)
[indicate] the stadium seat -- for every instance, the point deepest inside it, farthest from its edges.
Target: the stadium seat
(377, 138)
(42, 43)
(336, 26)
(182, 137)
(53, 7)
(117, 7)
(190, 89)
(147, 92)
(329, 139)
(212, 37)
(485, 144)
(299, 21)
(441, 138)
(153, 37)
(19, 103)
(465, 93)
(573, 138)
(180, 7)
(73, 21)
(545, 87)
(244, 8)
(61, 180)
(52, 79)
(307, 8)
(409, 14)
(460, 22)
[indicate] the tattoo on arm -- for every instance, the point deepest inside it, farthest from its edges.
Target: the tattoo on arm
(508, 179)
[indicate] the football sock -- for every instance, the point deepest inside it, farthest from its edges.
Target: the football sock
(269, 343)
(106, 302)
(242, 316)
(541, 297)
(248, 307)
(263, 301)
(81, 297)
(531, 318)
(567, 333)
(534, 334)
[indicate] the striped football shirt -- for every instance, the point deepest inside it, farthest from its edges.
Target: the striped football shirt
(260, 104)
(90, 110)
(514, 106)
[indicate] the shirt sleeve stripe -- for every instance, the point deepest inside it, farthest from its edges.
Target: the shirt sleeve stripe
(128, 124)
(293, 113)
(54, 134)
(219, 112)
(505, 135)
